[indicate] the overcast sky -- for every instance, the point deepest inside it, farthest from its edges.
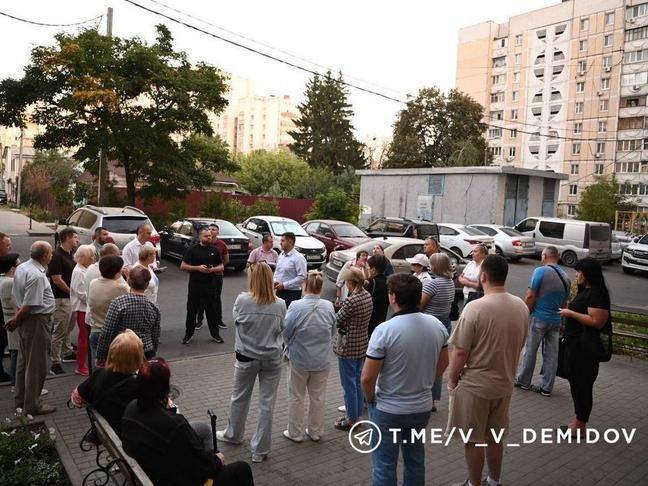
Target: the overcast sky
(392, 47)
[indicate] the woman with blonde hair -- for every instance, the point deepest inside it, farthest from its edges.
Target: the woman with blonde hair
(259, 321)
(310, 322)
(84, 257)
(351, 345)
(147, 255)
(360, 262)
(110, 389)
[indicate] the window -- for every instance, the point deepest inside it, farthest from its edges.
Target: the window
(497, 97)
(497, 115)
(600, 147)
(516, 95)
(527, 225)
(499, 62)
(573, 189)
(580, 87)
(511, 151)
(518, 58)
(499, 79)
(186, 229)
(576, 148)
(447, 231)
(407, 251)
(629, 145)
(514, 114)
(578, 127)
(538, 97)
(605, 84)
(632, 102)
(602, 126)
(578, 107)
(582, 66)
(608, 40)
(560, 29)
(609, 18)
(542, 34)
(636, 56)
(499, 43)
(636, 34)
(494, 133)
(518, 39)
(628, 167)
(551, 229)
(604, 105)
(573, 169)
(637, 11)
(598, 169)
(323, 229)
(516, 77)
(582, 45)
(571, 209)
(495, 151)
(607, 62)
(87, 219)
(513, 133)
(634, 79)
(584, 23)
(634, 123)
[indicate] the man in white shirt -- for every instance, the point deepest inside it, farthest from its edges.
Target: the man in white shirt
(291, 270)
(469, 278)
(130, 253)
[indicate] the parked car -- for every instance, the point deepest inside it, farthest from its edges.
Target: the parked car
(183, 233)
(3, 196)
(461, 238)
(121, 223)
(402, 227)
(624, 239)
(509, 242)
(616, 249)
(336, 235)
(574, 239)
(257, 226)
(396, 249)
(635, 256)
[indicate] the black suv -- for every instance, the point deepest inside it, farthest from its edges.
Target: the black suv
(404, 227)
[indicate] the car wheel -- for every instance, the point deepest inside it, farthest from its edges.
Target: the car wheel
(498, 251)
(569, 258)
(457, 251)
(628, 270)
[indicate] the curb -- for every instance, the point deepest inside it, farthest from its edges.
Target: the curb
(39, 233)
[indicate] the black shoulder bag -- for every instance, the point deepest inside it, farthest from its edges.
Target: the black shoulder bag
(563, 363)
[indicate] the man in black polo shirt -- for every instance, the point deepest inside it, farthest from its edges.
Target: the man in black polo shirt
(204, 263)
(59, 272)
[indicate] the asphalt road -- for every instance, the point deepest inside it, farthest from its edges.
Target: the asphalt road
(630, 290)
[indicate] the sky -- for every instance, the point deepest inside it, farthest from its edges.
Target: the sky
(395, 48)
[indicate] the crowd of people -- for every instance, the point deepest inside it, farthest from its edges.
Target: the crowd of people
(390, 367)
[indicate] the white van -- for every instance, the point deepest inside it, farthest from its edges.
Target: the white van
(574, 239)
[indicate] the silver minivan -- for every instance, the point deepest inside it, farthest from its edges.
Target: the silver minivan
(574, 239)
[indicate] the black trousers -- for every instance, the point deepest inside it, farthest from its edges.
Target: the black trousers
(219, 303)
(289, 296)
(234, 474)
(583, 371)
(201, 297)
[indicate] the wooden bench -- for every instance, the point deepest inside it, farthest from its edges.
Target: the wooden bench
(118, 466)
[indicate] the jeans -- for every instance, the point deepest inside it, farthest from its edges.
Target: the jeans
(385, 457)
(94, 342)
(350, 370)
(438, 383)
(548, 334)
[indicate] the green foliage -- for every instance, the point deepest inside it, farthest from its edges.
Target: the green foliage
(324, 135)
(230, 209)
(272, 173)
(335, 204)
(143, 105)
(438, 130)
(28, 456)
(601, 200)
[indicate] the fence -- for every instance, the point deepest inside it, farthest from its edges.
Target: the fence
(631, 329)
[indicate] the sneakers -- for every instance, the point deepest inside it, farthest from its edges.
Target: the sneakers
(342, 409)
(70, 358)
(222, 325)
(199, 325)
(44, 392)
(187, 339)
(258, 457)
(44, 410)
(218, 339)
(313, 437)
(220, 435)
(290, 437)
(521, 386)
(540, 390)
(57, 369)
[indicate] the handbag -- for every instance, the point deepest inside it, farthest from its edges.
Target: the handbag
(563, 359)
(340, 341)
(596, 344)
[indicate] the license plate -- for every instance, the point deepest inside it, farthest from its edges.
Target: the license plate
(313, 257)
(528, 245)
(233, 247)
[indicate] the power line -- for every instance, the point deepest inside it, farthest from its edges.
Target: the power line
(44, 24)
(261, 53)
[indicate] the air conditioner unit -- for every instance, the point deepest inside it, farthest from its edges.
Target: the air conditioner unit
(598, 156)
(581, 73)
(510, 158)
(607, 69)
(599, 93)
(636, 87)
(631, 21)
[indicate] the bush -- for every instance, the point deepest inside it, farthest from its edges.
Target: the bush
(335, 204)
(40, 214)
(230, 209)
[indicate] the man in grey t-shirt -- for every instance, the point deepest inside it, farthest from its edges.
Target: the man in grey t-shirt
(404, 357)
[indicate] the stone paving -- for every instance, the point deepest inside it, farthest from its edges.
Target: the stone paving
(621, 400)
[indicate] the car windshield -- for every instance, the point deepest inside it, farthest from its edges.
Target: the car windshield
(225, 228)
(369, 246)
(281, 227)
(472, 231)
(123, 224)
(511, 232)
(348, 231)
(643, 240)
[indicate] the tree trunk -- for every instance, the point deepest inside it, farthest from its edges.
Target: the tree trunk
(130, 184)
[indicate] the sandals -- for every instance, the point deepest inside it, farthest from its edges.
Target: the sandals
(342, 424)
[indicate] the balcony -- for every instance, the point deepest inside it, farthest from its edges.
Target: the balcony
(633, 111)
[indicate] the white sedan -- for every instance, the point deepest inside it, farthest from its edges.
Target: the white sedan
(509, 242)
(461, 238)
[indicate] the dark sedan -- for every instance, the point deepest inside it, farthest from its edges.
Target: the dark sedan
(175, 239)
(336, 235)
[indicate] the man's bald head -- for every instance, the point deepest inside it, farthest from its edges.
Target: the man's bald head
(144, 232)
(41, 251)
(109, 249)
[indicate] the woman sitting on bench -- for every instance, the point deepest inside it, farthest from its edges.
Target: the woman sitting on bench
(109, 390)
(170, 449)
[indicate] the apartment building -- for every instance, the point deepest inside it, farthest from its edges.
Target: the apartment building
(564, 89)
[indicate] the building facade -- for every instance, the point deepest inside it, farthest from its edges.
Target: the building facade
(564, 89)
(10, 163)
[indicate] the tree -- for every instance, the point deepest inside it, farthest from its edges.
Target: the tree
(324, 135)
(144, 106)
(335, 204)
(601, 200)
(438, 130)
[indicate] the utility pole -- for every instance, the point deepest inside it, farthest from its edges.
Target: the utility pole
(20, 167)
(102, 175)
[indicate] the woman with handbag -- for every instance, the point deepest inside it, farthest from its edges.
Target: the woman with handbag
(259, 321)
(586, 316)
(351, 346)
(310, 323)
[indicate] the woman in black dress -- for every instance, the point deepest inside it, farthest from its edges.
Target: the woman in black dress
(589, 311)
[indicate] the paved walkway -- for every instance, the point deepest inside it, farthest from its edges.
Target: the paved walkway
(14, 223)
(621, 400)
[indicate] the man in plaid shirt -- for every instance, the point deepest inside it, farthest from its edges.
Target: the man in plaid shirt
(132, 311)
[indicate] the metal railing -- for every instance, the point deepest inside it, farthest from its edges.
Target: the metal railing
(630, 333)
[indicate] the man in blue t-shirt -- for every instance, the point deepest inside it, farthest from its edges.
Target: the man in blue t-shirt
(404, 357)
(547, 293)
